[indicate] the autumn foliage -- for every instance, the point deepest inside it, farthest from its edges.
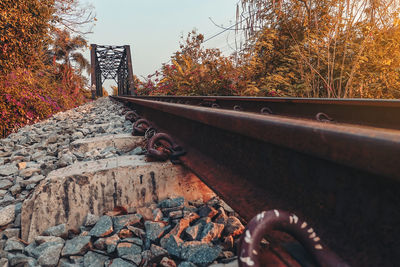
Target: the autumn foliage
(40, 73)
(324, 48)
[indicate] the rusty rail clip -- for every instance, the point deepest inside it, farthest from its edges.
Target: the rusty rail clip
(131, 116)
(322, 117)
(150, 132)
(173, 152)
(140, 127)
(266, 110)
(267, 221)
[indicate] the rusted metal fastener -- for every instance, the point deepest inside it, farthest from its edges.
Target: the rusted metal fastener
(237, 108)
(323, 117)
(266, 110)
(140, 127)
(162, 147)
(132, 116)
(267, 221)
(125, 110)
(150, 132)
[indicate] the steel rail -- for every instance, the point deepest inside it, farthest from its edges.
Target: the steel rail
(343, 178)
(371, 112)
(365, 148)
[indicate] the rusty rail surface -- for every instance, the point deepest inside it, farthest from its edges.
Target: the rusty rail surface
(342, 175)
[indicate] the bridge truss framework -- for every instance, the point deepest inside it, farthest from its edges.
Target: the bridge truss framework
(111, 62)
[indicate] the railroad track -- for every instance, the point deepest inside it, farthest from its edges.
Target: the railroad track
(333, 162)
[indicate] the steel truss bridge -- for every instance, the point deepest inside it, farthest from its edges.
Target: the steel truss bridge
(111, 63)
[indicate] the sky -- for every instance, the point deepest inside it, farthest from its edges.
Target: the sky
(153, 27)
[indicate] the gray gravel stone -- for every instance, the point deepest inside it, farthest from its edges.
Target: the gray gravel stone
(91, 219)
(136, 259)
(118, 262)
(120, 222)
(38, 155)
(30, 249)
(8, 169)
(76, 246)
(137, 151)
(199, 253)
(21, 260)
(133, 240)
(173, 245)
(158, 252)
(26, 173)
(2, 192)
(171, 202)
(50, 255)
(33, 180)
(44, 239)
(13, 244)
(11, 232)
(92, 259)
(186, 264)
(15, 189)
(58, 230)
(154, 230)
(5, 184)
(136, 231)
(7, 215)
(52, 139)
(103, 227)
(125, 248)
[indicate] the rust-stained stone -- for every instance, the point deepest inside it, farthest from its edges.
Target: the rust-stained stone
(211, 231)
(207, 211)
(125, 233)
(176, 231)
(77, 246)
(103, 227)
(125, 248)
(136, 231)
(157, 215)
(111, 243)
(99, 186)
(228, 242)
(147, 211)
(21, 165)
(125, 220)
(111, 240)
(199, 252)
(154, 230)
(222, 218)
(233, 226)
(192, 232)
(167, 262)
(192, 216)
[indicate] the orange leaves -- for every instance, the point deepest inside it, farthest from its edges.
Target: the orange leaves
(27, 97)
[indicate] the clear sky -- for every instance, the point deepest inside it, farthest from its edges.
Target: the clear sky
(153, 27)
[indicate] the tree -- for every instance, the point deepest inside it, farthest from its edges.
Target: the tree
(24, 27)
(196, 71)
(40, 72)
(327, 48)
(73, 16)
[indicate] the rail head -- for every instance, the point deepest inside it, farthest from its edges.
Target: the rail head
(371, 112)
(370, 149)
